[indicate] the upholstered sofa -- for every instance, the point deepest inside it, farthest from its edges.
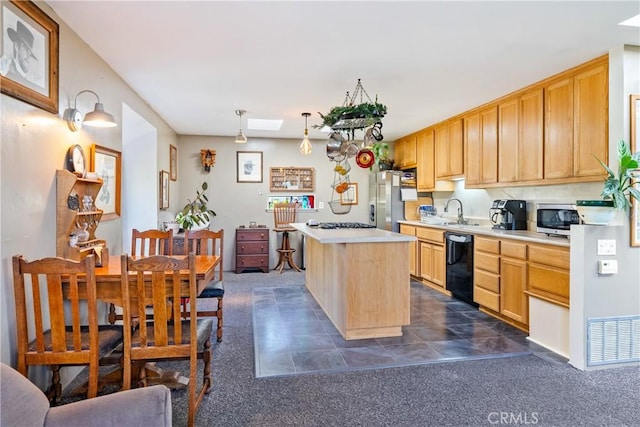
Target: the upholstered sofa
(24, 404)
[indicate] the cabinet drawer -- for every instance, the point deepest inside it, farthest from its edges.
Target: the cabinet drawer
(487, 262)
(252, 261)
(486, 298)
(513, 249)
(487, 245)
(242, 235)
(551, 283)
(409, 230)
(486, 280)
(252, 248)
(430, 234)
(549, 255)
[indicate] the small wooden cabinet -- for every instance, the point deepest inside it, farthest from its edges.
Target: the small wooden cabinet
(72, 216)
(410, 230)
(432, 256)
(292, 179)
(449, 149)
(252, 249)
(405, 152)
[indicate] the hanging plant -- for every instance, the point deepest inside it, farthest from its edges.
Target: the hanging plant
(366, 110)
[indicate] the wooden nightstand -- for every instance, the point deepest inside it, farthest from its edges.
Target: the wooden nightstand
(252, 249)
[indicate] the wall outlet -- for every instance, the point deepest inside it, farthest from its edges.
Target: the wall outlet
(320, 205)
(606, 247)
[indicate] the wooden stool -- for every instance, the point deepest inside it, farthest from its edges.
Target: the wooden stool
(283, 215)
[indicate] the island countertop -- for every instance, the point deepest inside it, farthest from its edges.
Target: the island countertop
(351, 235)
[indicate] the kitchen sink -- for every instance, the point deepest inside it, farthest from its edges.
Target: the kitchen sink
(456, 224)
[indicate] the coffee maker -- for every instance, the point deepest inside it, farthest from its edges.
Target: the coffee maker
(508, 214)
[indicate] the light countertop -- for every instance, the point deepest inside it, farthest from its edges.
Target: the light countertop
(351, 235)
(526, 235)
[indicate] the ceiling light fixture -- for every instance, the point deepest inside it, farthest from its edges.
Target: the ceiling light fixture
(305, 146)
(240, 138)
(96, 118)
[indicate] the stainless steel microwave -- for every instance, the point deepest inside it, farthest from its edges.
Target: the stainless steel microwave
(556, 218)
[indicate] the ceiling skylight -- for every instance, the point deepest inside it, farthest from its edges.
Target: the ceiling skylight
(634, 21)
(264, 124)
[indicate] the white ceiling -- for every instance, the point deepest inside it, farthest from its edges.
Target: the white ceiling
(196, 62)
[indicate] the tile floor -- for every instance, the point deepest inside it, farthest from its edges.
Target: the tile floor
(292, 335)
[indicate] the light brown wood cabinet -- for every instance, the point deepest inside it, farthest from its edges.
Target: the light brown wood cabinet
(449, 149)
(405, 152)
(508, 130)
(432, 256)
(72, 216)
(514, 303)
(548, 273)
(425, 156)
(410, 230)
(486, 272)
(481, 147)
(531, 135)
(576, 123)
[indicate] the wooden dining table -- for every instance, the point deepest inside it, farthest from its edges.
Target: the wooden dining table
(108, 289)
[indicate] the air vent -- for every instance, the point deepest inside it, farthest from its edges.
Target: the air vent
(613, 340)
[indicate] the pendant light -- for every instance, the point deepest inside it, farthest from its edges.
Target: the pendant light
(240, 138)
(305, 146)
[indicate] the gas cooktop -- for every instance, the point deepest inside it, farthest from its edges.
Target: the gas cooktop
(332, 225)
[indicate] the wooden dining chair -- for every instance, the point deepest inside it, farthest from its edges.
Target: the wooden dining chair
(283, 215)
(145, 243)
(156, 281)
(50, 331)
(207, 242)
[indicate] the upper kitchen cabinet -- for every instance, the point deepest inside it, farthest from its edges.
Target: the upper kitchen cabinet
(520, 136)
(449, 149)
(405, 152)
(576, 123)
(481, 147)
(426, 170)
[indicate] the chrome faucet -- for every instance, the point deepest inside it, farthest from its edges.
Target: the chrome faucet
(460, 213)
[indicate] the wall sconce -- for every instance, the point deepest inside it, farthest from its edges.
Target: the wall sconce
(96, 118)
(240, 138)
(305, 146)
(208, 158)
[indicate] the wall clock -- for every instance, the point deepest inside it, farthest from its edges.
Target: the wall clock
(76, 161)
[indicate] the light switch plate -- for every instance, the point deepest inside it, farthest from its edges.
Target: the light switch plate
(606, 247)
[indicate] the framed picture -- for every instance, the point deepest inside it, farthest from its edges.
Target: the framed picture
(164, 190)
(107, 164)
(173, 162)
(249, 166)
(350, 195)
(29, 59)
(635, 123)
(635, 214)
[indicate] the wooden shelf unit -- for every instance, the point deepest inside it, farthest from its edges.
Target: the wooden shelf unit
(292, 179)
(68, 184)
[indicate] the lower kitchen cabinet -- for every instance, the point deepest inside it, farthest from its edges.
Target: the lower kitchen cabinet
(410, 230)
(548, 273)
(513, 273)
(432, 256)
(486, 273)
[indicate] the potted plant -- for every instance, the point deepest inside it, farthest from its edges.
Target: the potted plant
(381, 154)
(617, 191)
(365, 110)
(196, 214)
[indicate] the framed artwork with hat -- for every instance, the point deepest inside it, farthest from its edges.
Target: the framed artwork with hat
(29, 57)
(249, 166)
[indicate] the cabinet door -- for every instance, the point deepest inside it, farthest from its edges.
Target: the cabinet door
(473, 150)
(508, 140)
(425, 156)
(409, 152)
(456, 148)
(489, 129)
(513, 300)
(398, 152)
(530, 140)
(413, 247)
(591, 121)
(426, 261)
(442, 151)
(439, 274)
(558, 124)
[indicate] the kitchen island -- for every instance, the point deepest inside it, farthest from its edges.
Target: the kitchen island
(360, 278)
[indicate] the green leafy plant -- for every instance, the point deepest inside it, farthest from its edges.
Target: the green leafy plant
(619, 188)
(366, 110)
(195, 212)
(381, 154)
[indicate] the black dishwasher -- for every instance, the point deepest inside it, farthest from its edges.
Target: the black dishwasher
(460, 266)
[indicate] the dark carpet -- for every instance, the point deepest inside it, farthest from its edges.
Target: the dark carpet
(532, 389)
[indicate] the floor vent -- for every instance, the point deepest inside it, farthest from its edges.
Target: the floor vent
(613, 340)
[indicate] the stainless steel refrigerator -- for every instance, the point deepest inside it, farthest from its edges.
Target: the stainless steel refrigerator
(387, 192)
